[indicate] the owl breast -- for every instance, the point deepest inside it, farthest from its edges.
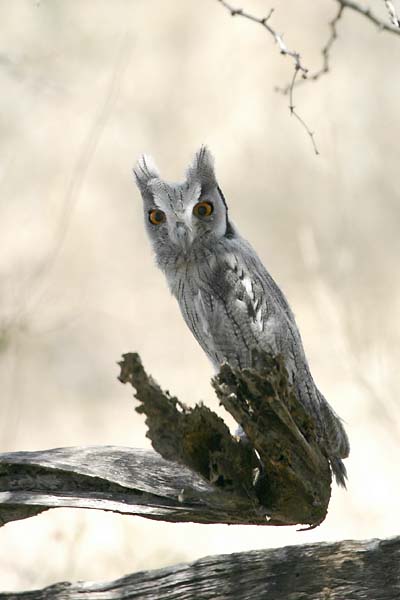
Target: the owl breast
(226, 309)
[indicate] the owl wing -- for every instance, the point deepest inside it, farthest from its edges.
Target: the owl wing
(238, 307)
(289, 344)
(231, 312)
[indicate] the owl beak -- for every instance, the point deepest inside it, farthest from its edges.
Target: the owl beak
(182, 236)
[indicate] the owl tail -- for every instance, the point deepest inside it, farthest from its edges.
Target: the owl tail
(339, 470)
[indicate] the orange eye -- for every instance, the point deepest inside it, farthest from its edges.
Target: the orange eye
(156, 217)
(203, 209)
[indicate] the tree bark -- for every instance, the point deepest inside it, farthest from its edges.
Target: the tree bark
(124, 480)
(349, 570)
(279, 467)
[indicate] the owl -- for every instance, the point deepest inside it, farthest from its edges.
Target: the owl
(227, 297)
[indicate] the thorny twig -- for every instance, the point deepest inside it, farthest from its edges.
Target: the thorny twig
(295, 56)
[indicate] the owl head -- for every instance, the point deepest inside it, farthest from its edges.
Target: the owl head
(183, 218)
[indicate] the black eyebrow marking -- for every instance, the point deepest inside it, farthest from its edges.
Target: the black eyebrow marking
(222, 198)
(229, 232)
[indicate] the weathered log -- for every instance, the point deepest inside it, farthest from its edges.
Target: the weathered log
(356, 570)
(124, 480)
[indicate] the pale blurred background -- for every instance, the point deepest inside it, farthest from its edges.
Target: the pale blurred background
(88, 85)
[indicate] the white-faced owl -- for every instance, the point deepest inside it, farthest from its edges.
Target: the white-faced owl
(227, 297)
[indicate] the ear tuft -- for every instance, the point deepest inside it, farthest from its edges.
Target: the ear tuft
(202, 169)
(145, 170)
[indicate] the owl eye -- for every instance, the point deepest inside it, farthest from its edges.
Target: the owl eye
(156, 217)
(203, 209)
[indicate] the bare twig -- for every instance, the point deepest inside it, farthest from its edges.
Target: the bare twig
(295, 56)
(325, 51)
(325, 67)
(394, 27)
(293, 112)
(366, 12)
(392, 13)
(277, 37)
(327, 48)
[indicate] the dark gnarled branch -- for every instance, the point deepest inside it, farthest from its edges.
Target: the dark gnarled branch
(280, 470)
